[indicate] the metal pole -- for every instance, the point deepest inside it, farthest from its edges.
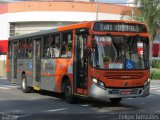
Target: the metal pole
(97, 9)
(132, 14)
(4, 66)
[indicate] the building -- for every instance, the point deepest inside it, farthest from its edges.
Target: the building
(156, 47)
(29, 16)
(131, 3)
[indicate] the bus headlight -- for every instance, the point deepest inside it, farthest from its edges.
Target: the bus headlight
(95, 81)
(98, 83)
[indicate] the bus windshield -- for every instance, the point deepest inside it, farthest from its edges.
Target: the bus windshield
(120, 52)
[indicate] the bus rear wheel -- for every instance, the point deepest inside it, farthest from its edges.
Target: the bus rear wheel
(25, 88)
(115, 100)
(68, 92)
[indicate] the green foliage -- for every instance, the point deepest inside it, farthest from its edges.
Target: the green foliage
(155, 74)
(149, 14)
(155, 63)
(155, 71)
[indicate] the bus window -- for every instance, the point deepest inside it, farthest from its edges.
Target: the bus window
(123, 52)
(21, 49)
(46, 50)
(29, 48)
(55, 45)
(66, 44)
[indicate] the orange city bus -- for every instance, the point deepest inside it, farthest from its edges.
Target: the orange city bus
(103, 60)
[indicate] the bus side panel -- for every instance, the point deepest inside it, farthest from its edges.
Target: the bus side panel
(20, 67)
(64, 67)
(48, 71)
(26, 66)
(9, 71)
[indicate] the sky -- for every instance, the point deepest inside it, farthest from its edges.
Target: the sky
(123, 2)
(114, 1)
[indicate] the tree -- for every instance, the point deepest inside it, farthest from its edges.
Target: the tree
(148, 11)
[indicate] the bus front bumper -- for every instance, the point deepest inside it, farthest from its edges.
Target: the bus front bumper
(99, 93)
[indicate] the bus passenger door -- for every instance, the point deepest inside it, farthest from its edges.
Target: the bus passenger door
(37, 63)
(81, 62)
(14, 62)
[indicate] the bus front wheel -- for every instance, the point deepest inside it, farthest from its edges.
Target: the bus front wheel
(115, 100)
(24, 86)
(68, 92)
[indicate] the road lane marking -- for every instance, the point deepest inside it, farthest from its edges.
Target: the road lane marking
(4, 88)
(158, 90)
(85, 105)
(55, 110)
(23, 116)
(154, 88)
(151, 95)
(7, 87)
(10, 86)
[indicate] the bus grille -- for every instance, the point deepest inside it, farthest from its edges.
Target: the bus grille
(124, 75)
(132, 91)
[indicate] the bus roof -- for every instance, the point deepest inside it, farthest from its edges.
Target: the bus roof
(69, 27)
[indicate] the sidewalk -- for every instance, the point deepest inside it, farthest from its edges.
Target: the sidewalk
(2, 69)
(3, 78)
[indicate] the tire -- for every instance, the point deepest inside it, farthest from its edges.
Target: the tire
(25, 88)
(68, 92)
(115, 100)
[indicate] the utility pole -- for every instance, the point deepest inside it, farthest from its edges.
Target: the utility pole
(132, 17)
(97, 9)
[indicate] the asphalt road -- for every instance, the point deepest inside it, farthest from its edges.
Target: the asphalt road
(48, 104)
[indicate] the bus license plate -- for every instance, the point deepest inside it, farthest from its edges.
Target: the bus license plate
(125, 92)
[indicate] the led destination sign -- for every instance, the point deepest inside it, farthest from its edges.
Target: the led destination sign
(119, 27)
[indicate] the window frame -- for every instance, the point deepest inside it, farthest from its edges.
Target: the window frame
(71, 45)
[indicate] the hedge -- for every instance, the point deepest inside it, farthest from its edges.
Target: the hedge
(155, 74)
